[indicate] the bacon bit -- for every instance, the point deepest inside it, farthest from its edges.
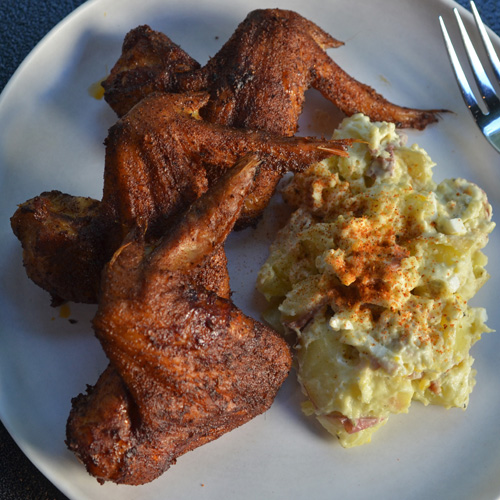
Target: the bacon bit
(350, 426)
(435, 387)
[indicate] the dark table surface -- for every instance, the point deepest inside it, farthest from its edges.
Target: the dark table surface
(24, 23)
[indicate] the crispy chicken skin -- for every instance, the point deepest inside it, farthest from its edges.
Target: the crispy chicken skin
(150, 61)
(63, 246)
(186, 365)
(258, 78)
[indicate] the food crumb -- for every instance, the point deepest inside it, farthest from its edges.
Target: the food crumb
(96, 90)
(384, 79)
(64, 311)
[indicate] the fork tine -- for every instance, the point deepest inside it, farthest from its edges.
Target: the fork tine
(483, 82)
(468, 95)
(492, 55)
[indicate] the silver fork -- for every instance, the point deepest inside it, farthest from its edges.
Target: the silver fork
(488, 121)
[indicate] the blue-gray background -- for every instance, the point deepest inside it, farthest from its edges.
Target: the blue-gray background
(22, 25)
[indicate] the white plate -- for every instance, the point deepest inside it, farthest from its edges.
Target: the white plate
(51, 138)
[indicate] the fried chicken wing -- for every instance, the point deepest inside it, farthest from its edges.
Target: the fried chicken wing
(259, 77)
(186, 365)
(160, 157)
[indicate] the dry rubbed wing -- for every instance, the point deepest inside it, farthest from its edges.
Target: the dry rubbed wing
(186, 365)
(190, 383)
(160, 158)
(259, 77)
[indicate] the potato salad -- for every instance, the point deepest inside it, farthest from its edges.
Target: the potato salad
(373, 274)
